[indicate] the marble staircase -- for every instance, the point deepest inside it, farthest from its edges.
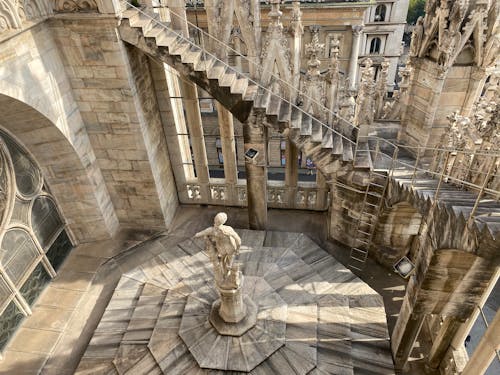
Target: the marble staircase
(331, 147)
(335, 149)
(335, 323)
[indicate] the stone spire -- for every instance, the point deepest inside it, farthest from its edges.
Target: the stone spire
(365, 108)
(313, 84)
(333, 76)
(276, 54)
(381, 86)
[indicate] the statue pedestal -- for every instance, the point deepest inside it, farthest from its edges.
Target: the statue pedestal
(238, 328)
(231, 306)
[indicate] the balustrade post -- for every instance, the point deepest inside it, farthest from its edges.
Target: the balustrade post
(481, 192)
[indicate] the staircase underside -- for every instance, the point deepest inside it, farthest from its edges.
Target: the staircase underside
(335, 323)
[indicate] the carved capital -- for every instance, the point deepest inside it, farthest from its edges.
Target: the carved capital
(356, 30)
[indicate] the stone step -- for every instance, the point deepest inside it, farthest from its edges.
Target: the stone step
(296, 118)
(327, 141)
(285, 111)
(154, 32)
(216, 70)
(317, 130)
(228, 78)
(347, 154)
(192, 55)
(306, 125)
(250, 92)
(239, 86)
(179, 47)
(273, 108)
(204, 63)
(166, 38)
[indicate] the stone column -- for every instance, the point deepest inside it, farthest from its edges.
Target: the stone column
(465, 328)
(191, 104)
(401, 349)
(255, 137)
(195, 126)
(226, 129)
(291, 170)
(485, 351)
(476, 84)
(442, 341)
(353, 61)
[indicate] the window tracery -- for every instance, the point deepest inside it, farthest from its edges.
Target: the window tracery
(33, 239)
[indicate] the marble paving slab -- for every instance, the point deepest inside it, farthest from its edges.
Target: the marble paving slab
(334, 323)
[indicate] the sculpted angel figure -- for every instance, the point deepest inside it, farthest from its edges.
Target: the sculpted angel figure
(222, 244)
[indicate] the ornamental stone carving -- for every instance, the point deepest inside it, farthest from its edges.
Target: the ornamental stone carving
(365, 104)
(193, 192)
(13, 13)
(450, 27)
(313, 95)
(75, 6)
(218, 193)
(276, 55)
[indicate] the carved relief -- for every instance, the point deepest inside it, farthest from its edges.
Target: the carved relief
(381, 86)
(275, 55)
(218, 193)
(314, 85)
(242, 194)
(75, 6)
(14, 12)
(449, 29)
(365, 104)
(276, 195)
(193, 192)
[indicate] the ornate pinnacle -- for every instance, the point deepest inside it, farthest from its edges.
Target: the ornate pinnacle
(313, 50)
(296, 26)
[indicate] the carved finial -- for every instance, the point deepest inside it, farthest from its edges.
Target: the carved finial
(296, 26)
(313, 51)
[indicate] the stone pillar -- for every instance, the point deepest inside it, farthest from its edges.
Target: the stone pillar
(476, 84)
(226, 129)
(291, 170)
(195, 126)
(485, 351)
(191, 104)
(322, 187)
(353, 61)
(442, 341)
(255, 137)
(465, 328)
(401, 349)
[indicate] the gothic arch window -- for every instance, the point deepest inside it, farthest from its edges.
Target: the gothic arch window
(380, 12)
(375, 45)
(33, 238)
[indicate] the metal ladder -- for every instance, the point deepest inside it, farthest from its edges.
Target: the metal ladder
(369, 214)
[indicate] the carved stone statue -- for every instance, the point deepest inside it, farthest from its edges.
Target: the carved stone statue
(232, 314)
(222, 245)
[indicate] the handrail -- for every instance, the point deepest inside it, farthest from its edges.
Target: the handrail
(257, 66)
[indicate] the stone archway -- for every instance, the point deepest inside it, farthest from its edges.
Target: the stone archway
(395, 232)
(68, 165)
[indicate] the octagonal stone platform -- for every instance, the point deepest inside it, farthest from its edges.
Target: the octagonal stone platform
(214, 351)
(334, 324)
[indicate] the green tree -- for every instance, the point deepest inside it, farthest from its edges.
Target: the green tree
(415, 10)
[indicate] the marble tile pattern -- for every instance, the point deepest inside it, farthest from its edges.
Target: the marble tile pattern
(214, 351)
(335, 323)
